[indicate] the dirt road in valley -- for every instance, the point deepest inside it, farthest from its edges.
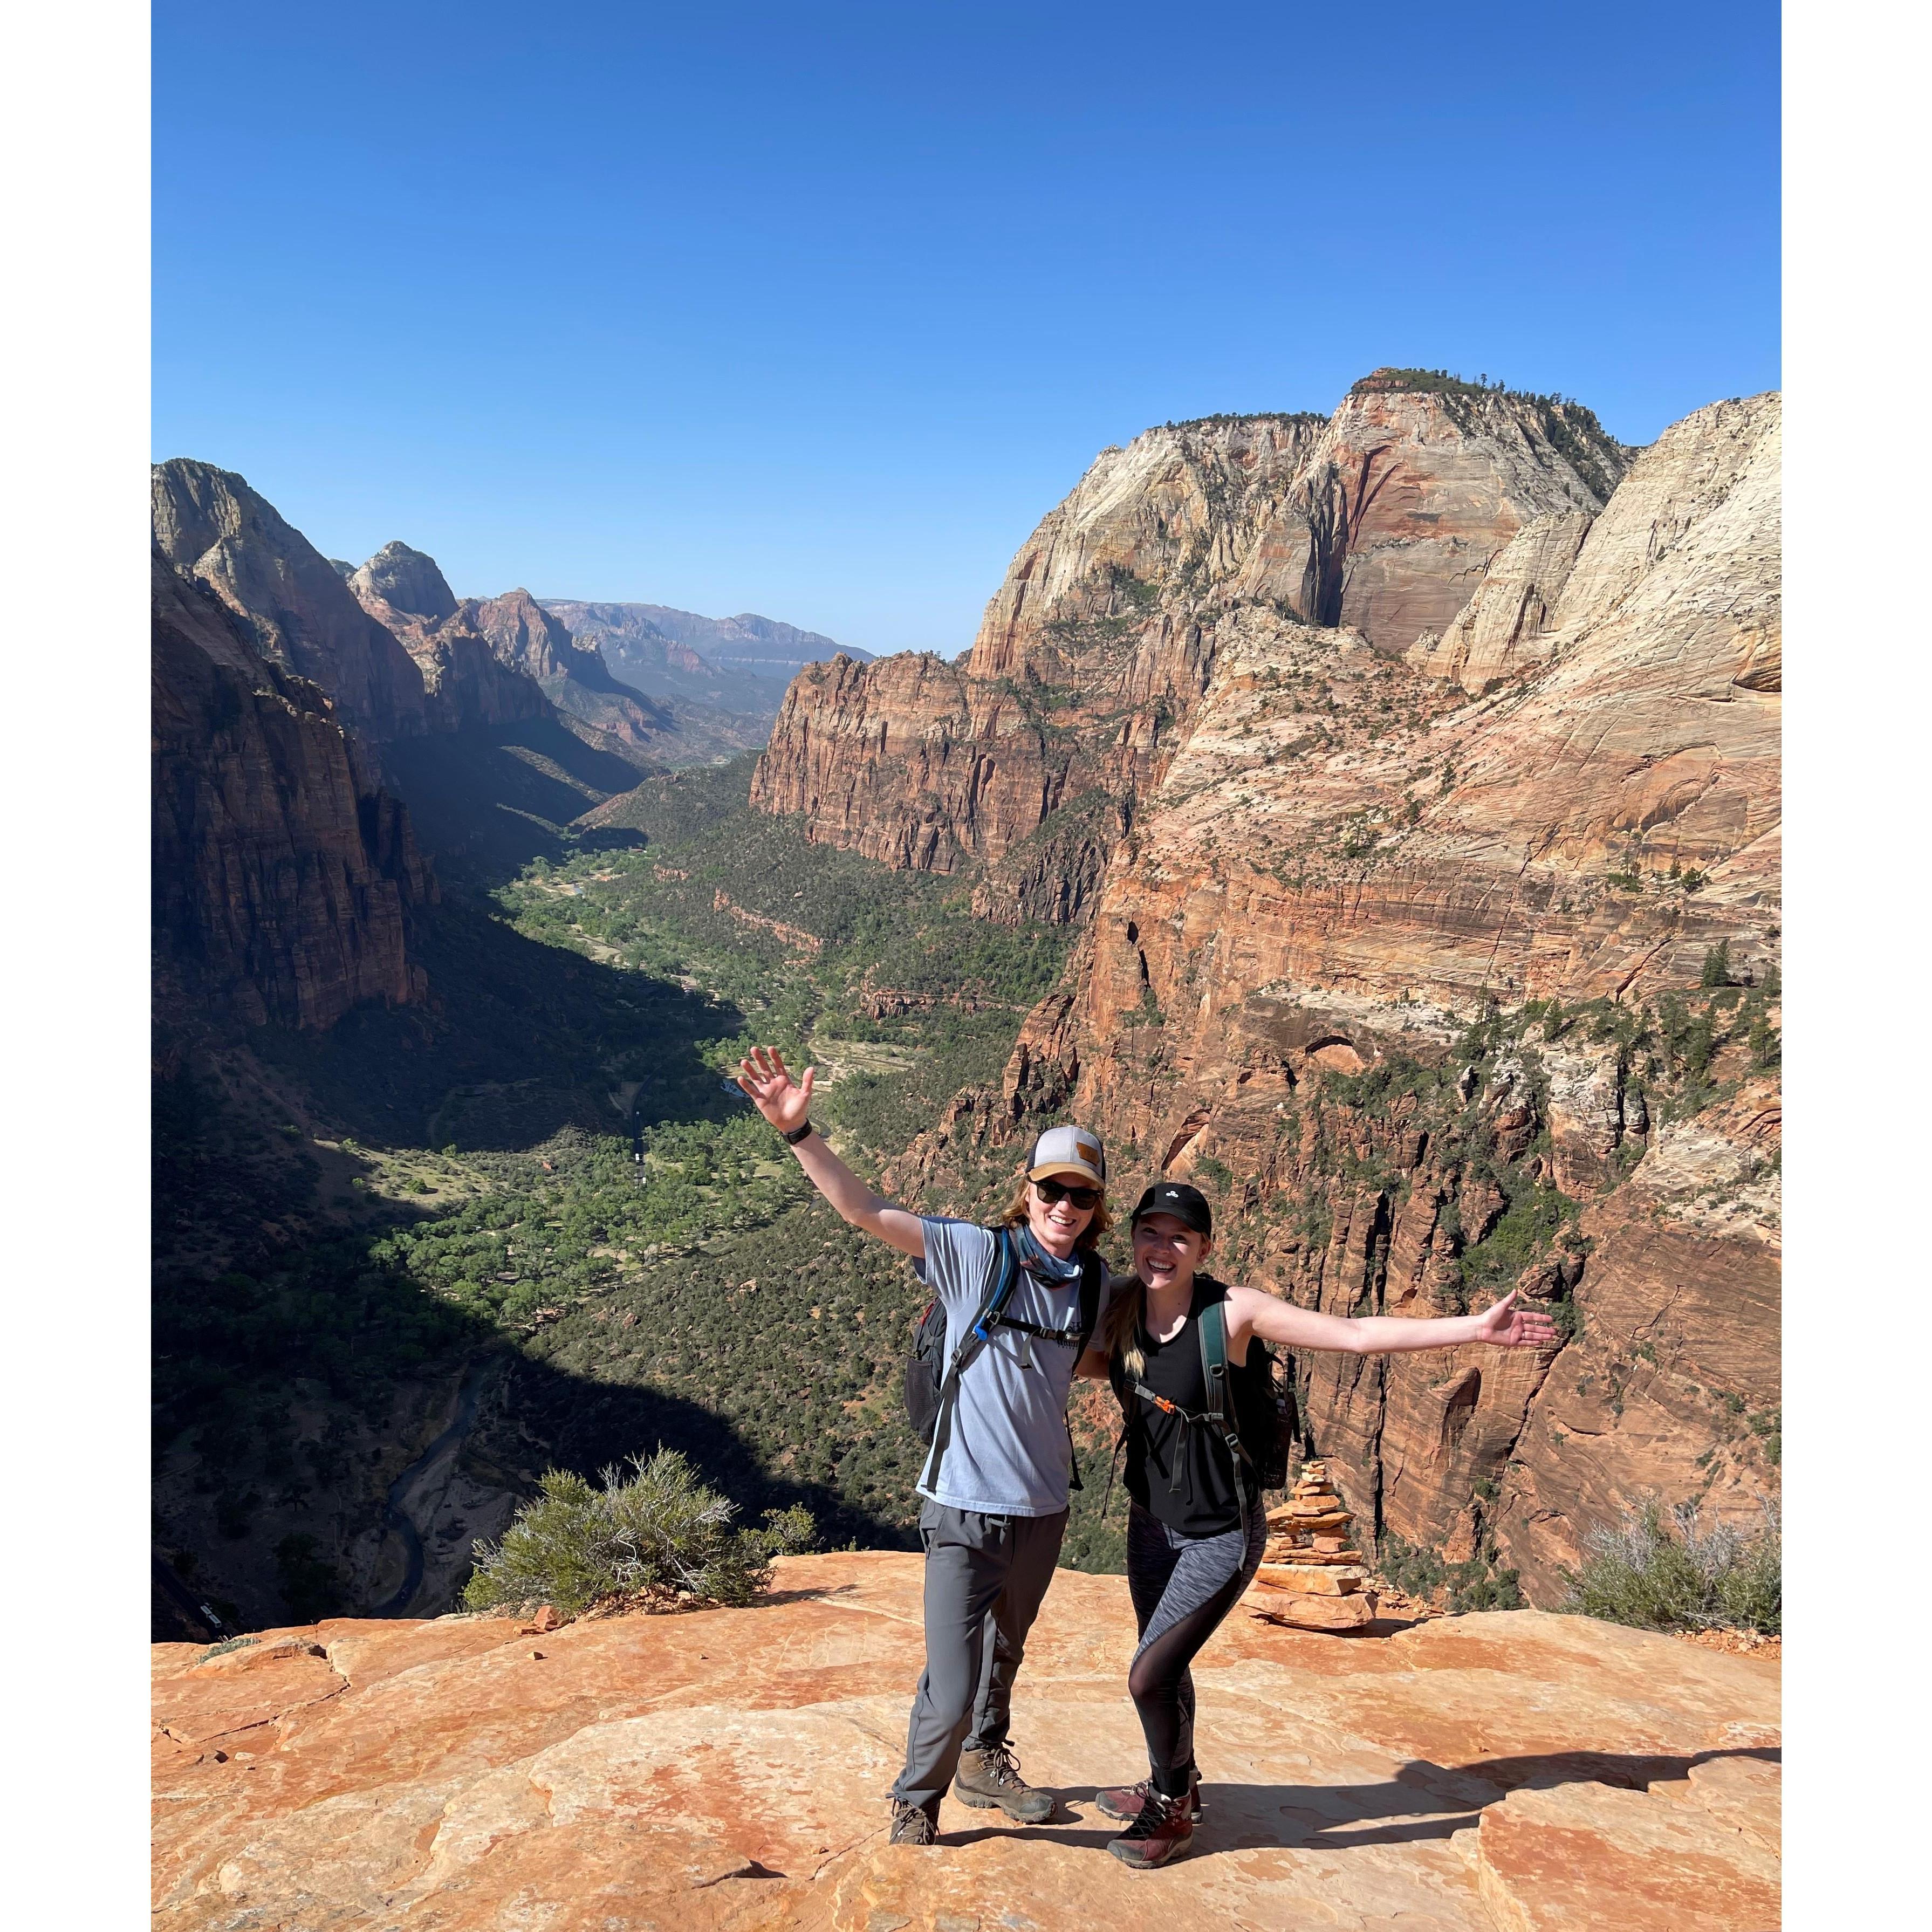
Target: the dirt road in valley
(427, 1490)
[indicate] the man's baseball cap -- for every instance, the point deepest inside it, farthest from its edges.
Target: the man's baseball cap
(1188, 1205)
(1068, 1150)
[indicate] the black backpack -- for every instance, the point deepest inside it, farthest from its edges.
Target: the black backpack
(931, 1391)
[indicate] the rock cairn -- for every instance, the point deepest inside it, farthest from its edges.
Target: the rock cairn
(1310, 1579)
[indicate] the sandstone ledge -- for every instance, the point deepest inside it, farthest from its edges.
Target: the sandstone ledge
(725, 1769)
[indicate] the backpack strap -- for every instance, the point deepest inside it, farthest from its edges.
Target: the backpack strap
(1092, 1278)
(1213, 1323)
(1006, 1274)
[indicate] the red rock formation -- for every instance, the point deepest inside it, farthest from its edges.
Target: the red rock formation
(468, 684)
(282, 871)
(1410, 494)
(297, 611)
(1343, 863)
(1095, 652)
(571, 674)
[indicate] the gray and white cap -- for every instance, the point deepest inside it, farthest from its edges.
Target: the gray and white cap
(1068, 1150)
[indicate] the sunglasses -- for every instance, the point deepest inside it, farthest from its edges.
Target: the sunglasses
(1051, 1191)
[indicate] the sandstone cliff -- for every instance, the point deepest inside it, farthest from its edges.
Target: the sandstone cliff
(297, 611)
(726, 1769)
(1096, 651)
(571, 674)
(1390, 972)
(468, 684)
(282, 871)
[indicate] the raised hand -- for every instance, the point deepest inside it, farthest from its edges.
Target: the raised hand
(782, 1100)
(1506, 1327)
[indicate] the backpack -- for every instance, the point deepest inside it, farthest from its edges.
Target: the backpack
(1262, 1443)
(932, 1391)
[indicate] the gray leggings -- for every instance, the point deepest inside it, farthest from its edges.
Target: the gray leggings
(1183, 1586)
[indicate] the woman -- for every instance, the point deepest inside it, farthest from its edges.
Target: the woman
(994, 1484)
(1194, 1533)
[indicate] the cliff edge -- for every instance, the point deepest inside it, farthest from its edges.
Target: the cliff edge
(725, 1768)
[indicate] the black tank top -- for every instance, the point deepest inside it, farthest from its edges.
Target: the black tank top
(1183, 1475)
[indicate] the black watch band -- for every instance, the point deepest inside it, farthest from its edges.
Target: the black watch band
(798, 1133)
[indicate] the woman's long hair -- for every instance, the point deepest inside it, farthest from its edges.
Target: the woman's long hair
(1089, 1237)
(1124, 1328)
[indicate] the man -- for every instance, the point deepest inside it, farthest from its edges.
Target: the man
(995, 1480)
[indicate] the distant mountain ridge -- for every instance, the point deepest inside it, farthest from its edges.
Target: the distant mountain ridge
(762, 645)
(736, 669)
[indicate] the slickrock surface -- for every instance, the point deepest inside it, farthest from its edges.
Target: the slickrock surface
(725, 1768)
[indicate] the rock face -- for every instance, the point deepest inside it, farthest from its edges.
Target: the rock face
(1344, 866)
(468, 684)
(572, 675)
(297, 611)
(1501, 628)
(283, 872)
(409, 582)
(1096, 652)
(726, 1769)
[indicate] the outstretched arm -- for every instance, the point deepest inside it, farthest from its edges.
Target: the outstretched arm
(785, 1103)
(1503, 1326)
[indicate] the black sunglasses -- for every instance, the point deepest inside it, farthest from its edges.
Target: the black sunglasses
(1051, 1191)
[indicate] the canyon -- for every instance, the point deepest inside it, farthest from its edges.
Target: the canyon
(1413, 827)
(1400, 789)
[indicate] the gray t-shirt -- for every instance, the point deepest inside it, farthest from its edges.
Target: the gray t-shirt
(1007, 1454)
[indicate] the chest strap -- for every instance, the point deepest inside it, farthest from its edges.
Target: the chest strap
(1073, 1337)
(1007, 1268)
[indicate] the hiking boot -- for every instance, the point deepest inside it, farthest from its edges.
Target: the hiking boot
(1163, 1832)
(1124, 1801)
(991, 1777)
(912, 1825)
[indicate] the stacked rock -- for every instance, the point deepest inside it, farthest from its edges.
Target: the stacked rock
(1310, 1579)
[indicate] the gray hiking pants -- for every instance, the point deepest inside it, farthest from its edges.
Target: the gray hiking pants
(985, 1578)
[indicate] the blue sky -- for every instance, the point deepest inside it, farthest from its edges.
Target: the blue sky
(814, 310)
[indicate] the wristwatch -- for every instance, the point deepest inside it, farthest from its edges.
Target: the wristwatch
(797, 1134)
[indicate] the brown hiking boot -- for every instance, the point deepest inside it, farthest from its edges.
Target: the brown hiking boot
(1124, 1801)
(1163, 1832)
(991, 1777)
(912, 1825)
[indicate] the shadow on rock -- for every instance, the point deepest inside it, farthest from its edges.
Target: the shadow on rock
(1422, 1801)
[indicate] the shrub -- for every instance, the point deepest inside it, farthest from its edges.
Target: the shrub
(1659, 1573)
(658, 1537)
